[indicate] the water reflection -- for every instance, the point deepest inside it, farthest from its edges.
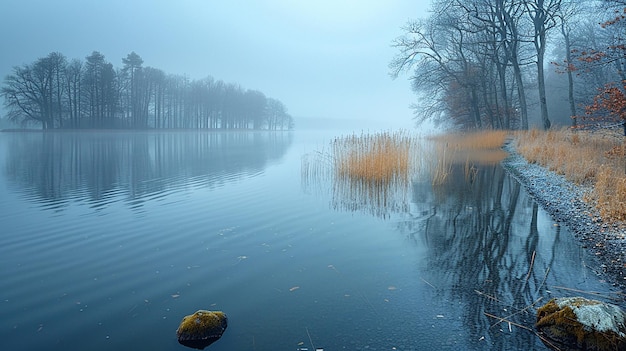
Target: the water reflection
(99, 168)
(489, 250)
(380, 199)
(367, 173)
(377, 198)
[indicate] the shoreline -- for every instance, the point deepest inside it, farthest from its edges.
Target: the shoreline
(563, 201)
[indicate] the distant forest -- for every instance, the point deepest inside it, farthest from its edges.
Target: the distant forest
(58, 93)
(504, 64)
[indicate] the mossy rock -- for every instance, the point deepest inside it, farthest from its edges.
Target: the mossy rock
(576, 323)
(202, 328)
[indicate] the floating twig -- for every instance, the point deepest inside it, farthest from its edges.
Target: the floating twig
(596, 293)
(424, 280)
(545, 277)
(505, 319)
(488, 296)
(530, 269)
(310, 340)
(525, 328)
(502, 319)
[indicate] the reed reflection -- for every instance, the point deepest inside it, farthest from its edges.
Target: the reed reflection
(370, 173)
(54, 168)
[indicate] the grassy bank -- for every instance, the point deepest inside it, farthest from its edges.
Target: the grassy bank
(595, 159)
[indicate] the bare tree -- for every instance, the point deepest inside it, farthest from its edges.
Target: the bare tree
(99, 89)
(132, 71)
(23, 96)
(509, 14)
(92, 94)
(277, 116)
(55, 64)
(33, 93)
(544, 15)
(454, 57)
(73, 75)
(570, 12)
(434, 51)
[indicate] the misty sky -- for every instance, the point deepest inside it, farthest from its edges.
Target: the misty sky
(322, 58)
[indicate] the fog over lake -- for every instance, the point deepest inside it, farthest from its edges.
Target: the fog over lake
(298, 166)
(322, 59)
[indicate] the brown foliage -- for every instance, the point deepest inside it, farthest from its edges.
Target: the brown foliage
(610, 99)
(610, 102)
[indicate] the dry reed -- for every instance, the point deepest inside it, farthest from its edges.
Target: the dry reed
(380, 157)
(593, 159)
(470, 149)
(443, 166)
(368, 172)
(373, 172)
(484, 140)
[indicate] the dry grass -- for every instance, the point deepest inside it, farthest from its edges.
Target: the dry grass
(595, 159)
(384, 157)
(373, 172)
(468, 149)
(484, 140)
(443, 165)
(380, 157)
(368, 172)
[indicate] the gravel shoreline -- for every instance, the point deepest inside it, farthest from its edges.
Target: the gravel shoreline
(562, 199)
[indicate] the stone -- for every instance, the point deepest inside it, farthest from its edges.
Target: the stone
(577, 323)
(202, 328)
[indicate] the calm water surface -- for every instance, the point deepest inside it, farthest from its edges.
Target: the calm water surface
(108, 240)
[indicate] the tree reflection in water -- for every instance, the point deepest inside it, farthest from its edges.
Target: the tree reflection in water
(469, 235)
(489, 250)
(488, 246)
(55, 168)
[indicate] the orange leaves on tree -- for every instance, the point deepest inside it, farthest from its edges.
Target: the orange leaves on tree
(609, 104)
(591, 56)
(564, 67)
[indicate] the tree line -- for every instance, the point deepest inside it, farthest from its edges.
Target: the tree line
(56, 92)
(491, 63)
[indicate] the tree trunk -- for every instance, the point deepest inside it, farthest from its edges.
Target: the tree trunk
(570, 75)
(475, 108)
(506, 123)
(542, 83)
(521, 94)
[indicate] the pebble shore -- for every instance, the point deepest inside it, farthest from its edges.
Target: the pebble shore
(563, 200)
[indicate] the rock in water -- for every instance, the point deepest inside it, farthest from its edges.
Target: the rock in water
(201, 329)
(576, 323)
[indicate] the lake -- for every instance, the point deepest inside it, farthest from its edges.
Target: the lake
(109, 239)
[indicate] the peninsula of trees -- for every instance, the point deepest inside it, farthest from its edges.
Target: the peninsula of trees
(55, 92)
